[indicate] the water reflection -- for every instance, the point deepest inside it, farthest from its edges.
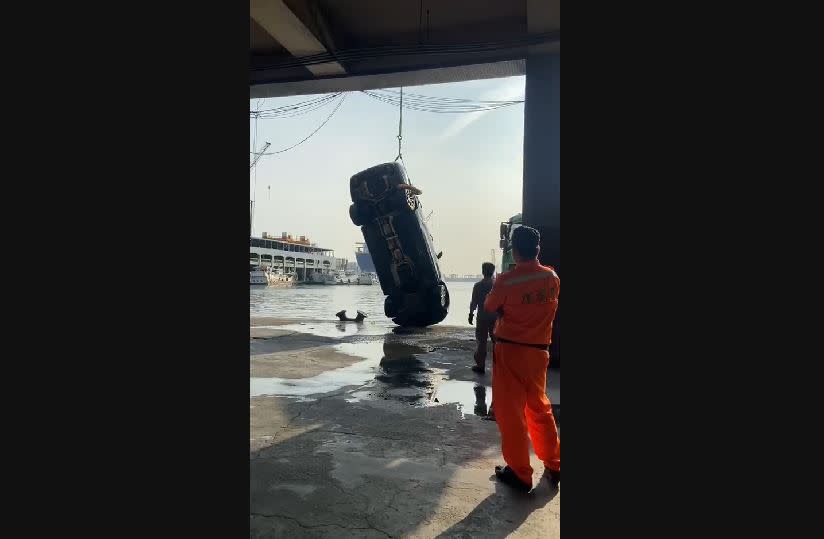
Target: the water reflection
(402, 375)
(392, 371)
(480, 400)
(469, 397)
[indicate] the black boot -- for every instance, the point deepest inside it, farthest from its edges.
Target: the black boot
(554, 478)
(507, 476)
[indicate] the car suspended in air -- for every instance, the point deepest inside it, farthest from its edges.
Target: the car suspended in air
(387, 208)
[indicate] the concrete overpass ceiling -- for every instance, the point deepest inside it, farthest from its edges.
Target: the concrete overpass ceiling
(316, 46)
(260, 42)
(406, 21)
(417, 77)
(281, 23)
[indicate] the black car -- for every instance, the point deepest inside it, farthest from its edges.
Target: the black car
(387, 208)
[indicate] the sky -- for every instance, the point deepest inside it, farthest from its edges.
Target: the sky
(469, 167)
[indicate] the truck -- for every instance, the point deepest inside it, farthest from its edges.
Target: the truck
(507, 262)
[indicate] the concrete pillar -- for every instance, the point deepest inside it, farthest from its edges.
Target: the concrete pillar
(542, 165)
(542, 154)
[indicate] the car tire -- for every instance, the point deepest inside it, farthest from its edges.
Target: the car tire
(439, 300)
(443, 296)
(434, 310)
(356, 215)
(439, 306)
(390, 308)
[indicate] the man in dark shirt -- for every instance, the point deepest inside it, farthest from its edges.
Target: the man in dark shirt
(486, 320)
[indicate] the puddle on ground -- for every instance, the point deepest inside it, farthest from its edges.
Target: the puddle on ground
(401, 376)
(326, 382)
(470, 397)
(378, 355)
(390, 371)
(404, 377)
(371, 350)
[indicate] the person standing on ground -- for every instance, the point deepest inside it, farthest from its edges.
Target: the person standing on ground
(486, 320)
(526, 299)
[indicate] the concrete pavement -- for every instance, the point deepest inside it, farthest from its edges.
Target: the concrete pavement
(357, 433)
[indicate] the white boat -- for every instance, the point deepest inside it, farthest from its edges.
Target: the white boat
(276, 277)
(365, 279)
(269, 277)
(320, 278)
(346, 277)
(257, 277)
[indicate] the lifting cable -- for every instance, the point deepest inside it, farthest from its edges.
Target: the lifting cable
(400, 128)
(399, 157)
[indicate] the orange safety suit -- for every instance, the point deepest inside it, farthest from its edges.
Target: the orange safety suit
(526, 299)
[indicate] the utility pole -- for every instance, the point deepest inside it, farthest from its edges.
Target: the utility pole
(258, 154)
(252, 202)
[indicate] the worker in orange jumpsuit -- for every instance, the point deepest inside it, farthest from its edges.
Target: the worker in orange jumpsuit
(526, 300)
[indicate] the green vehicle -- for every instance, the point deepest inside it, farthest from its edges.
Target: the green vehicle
(507, 262)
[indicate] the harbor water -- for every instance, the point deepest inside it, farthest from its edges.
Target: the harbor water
(321, 302)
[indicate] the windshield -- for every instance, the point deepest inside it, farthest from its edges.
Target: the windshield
(512, 229)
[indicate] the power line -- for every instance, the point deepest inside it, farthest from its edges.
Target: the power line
(402, 100)
(297, 109)
(456, 100)
(438, 105)
(439, 102)
(343, 98)
(293, 105)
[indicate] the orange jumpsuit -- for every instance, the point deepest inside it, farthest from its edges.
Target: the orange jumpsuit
(527, 299)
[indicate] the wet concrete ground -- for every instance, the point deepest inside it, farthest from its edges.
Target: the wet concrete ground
(359, 433)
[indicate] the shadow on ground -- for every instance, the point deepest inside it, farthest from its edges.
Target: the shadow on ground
(386, 466)
(502, 501)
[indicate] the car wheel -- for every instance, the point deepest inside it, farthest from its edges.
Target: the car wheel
(415, 321)
(438, 306)
(443, 295)
(355, 215)
(439, 299)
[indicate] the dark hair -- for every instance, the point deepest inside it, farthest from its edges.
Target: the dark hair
(525, 240)
(487, 268)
